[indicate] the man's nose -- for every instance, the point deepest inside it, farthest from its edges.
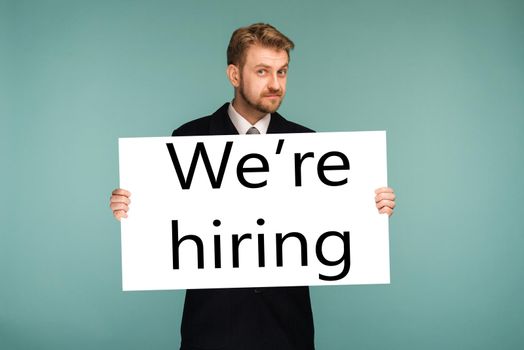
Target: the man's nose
(274, 83)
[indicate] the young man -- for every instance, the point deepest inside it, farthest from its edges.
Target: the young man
(249, 318)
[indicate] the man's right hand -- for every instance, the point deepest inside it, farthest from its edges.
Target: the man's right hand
(119, 203)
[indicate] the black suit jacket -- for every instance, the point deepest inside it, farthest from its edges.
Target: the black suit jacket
(245, 318)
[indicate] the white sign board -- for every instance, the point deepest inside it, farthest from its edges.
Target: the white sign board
(254, 210)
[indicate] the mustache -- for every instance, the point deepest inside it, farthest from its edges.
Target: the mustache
(276, 93)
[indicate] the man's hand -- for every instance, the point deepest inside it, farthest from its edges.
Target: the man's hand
(119, 203)
(385, 200)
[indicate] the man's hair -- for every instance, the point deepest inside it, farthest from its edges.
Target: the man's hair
(256, 34)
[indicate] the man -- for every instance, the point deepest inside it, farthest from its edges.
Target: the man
(249, 318)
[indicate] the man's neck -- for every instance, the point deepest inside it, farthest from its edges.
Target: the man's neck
(248, 113)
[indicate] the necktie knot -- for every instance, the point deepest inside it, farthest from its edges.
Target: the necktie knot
(252, 131)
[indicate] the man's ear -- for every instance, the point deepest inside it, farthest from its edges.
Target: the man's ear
(233, 74)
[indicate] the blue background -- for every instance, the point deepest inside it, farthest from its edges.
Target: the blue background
(444, 78)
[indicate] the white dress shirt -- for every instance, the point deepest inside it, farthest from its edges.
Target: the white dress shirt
(242, 125)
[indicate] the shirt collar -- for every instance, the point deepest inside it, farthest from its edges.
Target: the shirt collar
(242, 125)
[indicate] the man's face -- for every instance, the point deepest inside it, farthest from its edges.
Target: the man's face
(262, 84)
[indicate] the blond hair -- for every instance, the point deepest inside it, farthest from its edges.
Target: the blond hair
(259, 33)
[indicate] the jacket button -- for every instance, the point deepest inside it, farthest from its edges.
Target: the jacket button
(257, 290)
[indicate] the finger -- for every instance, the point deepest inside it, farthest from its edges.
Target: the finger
(384, 189)
(385, 203)
(385, 195)
(119, 206)
(119, 214)
(386, 210)
(121, 192)
(119, 199)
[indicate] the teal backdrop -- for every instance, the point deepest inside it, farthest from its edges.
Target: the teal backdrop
(444, 78)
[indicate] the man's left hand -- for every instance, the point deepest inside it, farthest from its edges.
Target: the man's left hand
(385, 200)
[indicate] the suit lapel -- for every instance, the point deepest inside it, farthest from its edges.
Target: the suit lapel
(220, 123)
(277, 124)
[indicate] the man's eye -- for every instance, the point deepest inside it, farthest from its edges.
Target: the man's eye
(261, 71)
(282, 72)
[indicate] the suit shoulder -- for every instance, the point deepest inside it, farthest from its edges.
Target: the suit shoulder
(195, 127)
(297, 128)
(279, 124)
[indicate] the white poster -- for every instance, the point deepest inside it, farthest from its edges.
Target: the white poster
(254, 210)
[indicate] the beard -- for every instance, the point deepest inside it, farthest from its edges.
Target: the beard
(261, 104)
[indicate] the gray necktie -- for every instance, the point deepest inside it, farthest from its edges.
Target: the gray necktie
(252, 130)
